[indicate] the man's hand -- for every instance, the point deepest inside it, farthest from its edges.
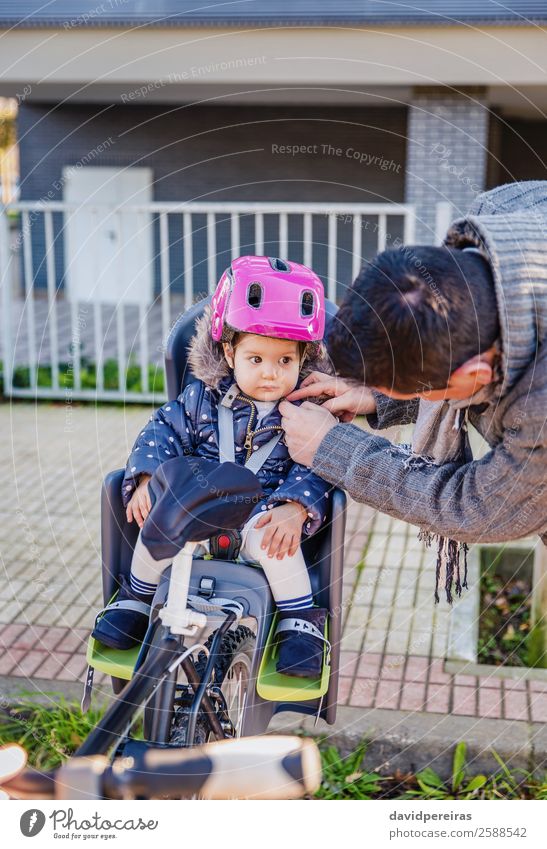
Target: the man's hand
(347, 399)
(283, 529)
(140, 505)
(305, 427)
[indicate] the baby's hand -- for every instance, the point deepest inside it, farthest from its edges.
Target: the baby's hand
(140, 505)
(284, 529)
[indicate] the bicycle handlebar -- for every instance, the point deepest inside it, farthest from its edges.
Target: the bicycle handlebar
(276, 767)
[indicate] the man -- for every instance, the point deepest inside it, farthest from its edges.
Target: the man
(442, 335)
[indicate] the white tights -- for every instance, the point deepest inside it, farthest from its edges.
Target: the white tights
(288, 578)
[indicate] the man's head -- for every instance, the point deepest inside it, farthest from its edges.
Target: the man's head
(419, 320)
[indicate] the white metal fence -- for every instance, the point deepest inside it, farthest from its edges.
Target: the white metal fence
(90, 293)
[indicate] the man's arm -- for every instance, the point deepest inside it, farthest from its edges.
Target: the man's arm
(502, 496)
(390, 412)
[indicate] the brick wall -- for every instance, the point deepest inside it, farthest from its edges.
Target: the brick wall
(447, 152)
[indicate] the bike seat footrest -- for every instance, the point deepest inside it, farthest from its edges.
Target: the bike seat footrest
(275, 687)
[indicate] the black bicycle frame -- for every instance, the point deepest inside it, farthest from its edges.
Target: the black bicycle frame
(152, 671)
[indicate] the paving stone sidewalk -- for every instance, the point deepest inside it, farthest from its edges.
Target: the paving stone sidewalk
(54, 457)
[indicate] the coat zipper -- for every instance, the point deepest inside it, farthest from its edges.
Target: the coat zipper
(250, 433)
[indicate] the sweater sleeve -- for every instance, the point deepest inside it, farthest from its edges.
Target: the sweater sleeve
(496, 498)
(308, 489)
(168, 433)
(390, 412)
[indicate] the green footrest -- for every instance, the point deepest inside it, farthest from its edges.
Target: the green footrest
(115, 662)
(274, 687)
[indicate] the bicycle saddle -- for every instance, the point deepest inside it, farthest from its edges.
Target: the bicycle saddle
(192, 499)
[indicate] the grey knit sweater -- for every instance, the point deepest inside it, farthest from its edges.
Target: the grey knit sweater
(503, 495)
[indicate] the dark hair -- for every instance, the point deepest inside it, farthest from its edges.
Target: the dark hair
(413, 316)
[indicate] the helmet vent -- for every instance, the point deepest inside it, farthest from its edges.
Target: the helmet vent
(279, 264)
(306, 304)
(254, 295)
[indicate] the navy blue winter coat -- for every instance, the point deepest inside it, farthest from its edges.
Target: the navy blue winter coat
(189, 425)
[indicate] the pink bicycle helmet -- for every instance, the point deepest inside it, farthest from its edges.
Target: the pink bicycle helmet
(270, 297)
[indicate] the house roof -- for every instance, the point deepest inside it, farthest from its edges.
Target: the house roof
(184, 13)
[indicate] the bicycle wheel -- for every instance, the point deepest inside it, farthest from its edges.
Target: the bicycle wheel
(229, 689)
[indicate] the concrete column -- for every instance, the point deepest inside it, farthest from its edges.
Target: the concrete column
(447, 152)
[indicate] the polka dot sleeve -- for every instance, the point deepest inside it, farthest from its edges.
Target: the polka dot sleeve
(307, 488)
(168, 433)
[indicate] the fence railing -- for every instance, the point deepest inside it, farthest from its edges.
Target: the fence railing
(90, 293)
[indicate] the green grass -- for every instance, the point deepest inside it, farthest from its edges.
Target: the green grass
(88, 376)
(50, 735)
(346, 778)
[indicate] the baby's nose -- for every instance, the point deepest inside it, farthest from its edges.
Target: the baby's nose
(269, 370)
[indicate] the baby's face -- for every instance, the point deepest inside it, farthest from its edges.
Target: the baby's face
(265, 369)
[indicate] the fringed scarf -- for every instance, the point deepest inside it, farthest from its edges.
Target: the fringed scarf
(440, 436)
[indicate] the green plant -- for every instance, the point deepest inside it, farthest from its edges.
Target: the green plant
(49, 734)
(88, 376)
(506, 635)
(431, 785)
(343, 778)
(7, 130)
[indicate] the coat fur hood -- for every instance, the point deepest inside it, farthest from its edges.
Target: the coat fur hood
(207, 361)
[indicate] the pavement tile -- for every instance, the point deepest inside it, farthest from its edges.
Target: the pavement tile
(352, 640)
(52, 666)
(413, 696)
(9, 634)
(74, 669)
(438, 698)
(516, 684)
(348, 663)
(374, 640)
(515, 705)
(388, 694)
(29, 663)
(362, 694)
(489, 702)
(51, 638)
(30, 638)
(9, 659)
(491, 682)
(357, 618)
(538, 706)
(465, 680)
(344, 687)
(420, 643)
(74, 640)
(397, 642)
(436, 674)
(369, 665)
(392, 668)
(11, 611)
(374, 556)
(538, 686)
(416, 668)
(464, 701)
(379, 618)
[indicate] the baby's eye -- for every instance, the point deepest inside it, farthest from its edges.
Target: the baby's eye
(256, 360)
(286, 360)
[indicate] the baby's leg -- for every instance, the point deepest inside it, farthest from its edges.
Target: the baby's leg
(300, 624)
(145, 571)
(288, 578)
